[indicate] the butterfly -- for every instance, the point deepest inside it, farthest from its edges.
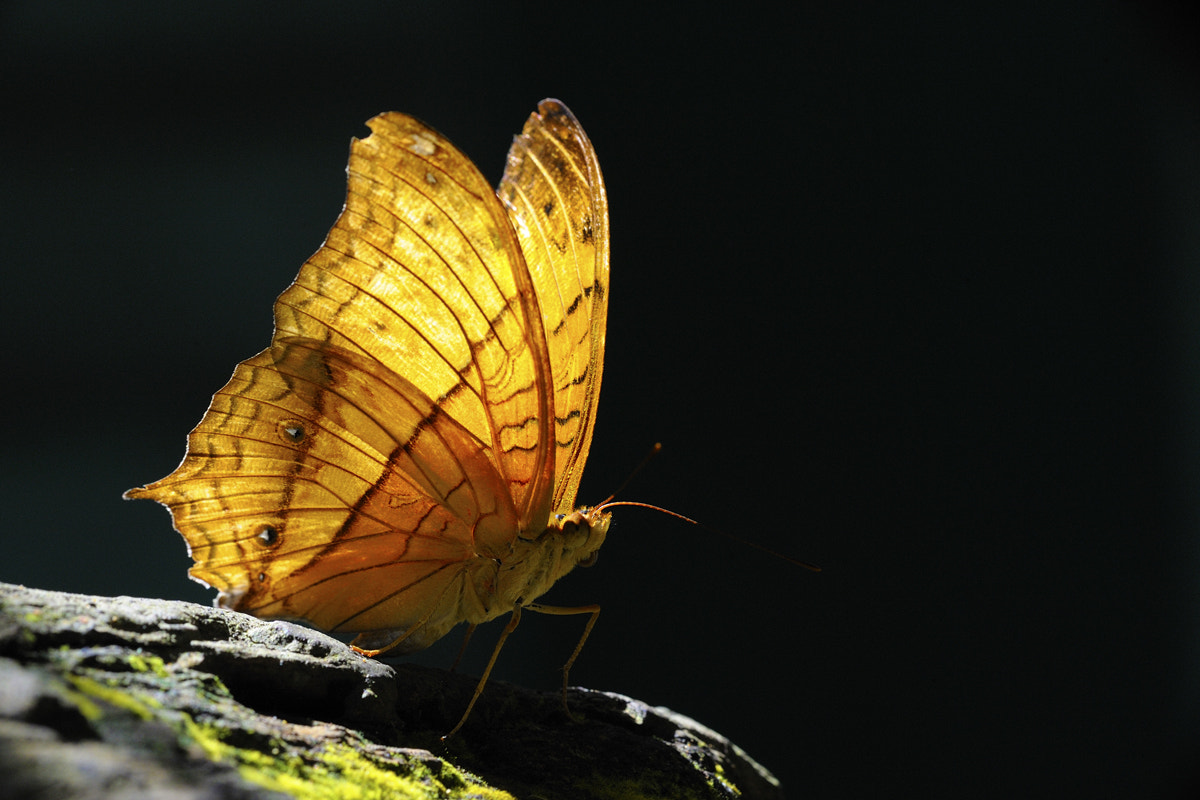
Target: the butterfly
(405, 455)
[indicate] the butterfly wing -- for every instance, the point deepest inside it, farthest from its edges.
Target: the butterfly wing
(321, 487)
(555, 196)
(363, 471)
(422, 273)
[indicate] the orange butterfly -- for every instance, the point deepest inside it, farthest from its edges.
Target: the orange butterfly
(405, 455)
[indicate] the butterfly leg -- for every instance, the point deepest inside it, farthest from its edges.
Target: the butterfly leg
(374, 638)
(509, 628)
(373, 643)
(594, 610)
(462, 649)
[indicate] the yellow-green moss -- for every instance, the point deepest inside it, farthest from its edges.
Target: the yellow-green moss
(90, 711)
(719, 777)
(143, 663)
(339, 773)
(143, 707)
(345, 774)
(336, 771)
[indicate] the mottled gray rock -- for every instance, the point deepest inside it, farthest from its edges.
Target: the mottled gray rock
(128, 697)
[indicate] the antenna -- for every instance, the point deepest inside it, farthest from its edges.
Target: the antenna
(654, 451)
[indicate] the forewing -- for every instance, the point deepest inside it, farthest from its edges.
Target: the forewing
(555, 197)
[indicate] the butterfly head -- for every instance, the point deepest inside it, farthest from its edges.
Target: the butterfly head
(582, 532)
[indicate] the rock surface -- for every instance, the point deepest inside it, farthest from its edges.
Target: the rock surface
(127, 697)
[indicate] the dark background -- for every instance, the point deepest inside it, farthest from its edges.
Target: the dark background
(914, 295)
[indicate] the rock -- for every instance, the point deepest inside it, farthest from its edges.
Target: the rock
(115, 697)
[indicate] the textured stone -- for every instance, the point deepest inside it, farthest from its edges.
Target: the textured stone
(130, 697)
